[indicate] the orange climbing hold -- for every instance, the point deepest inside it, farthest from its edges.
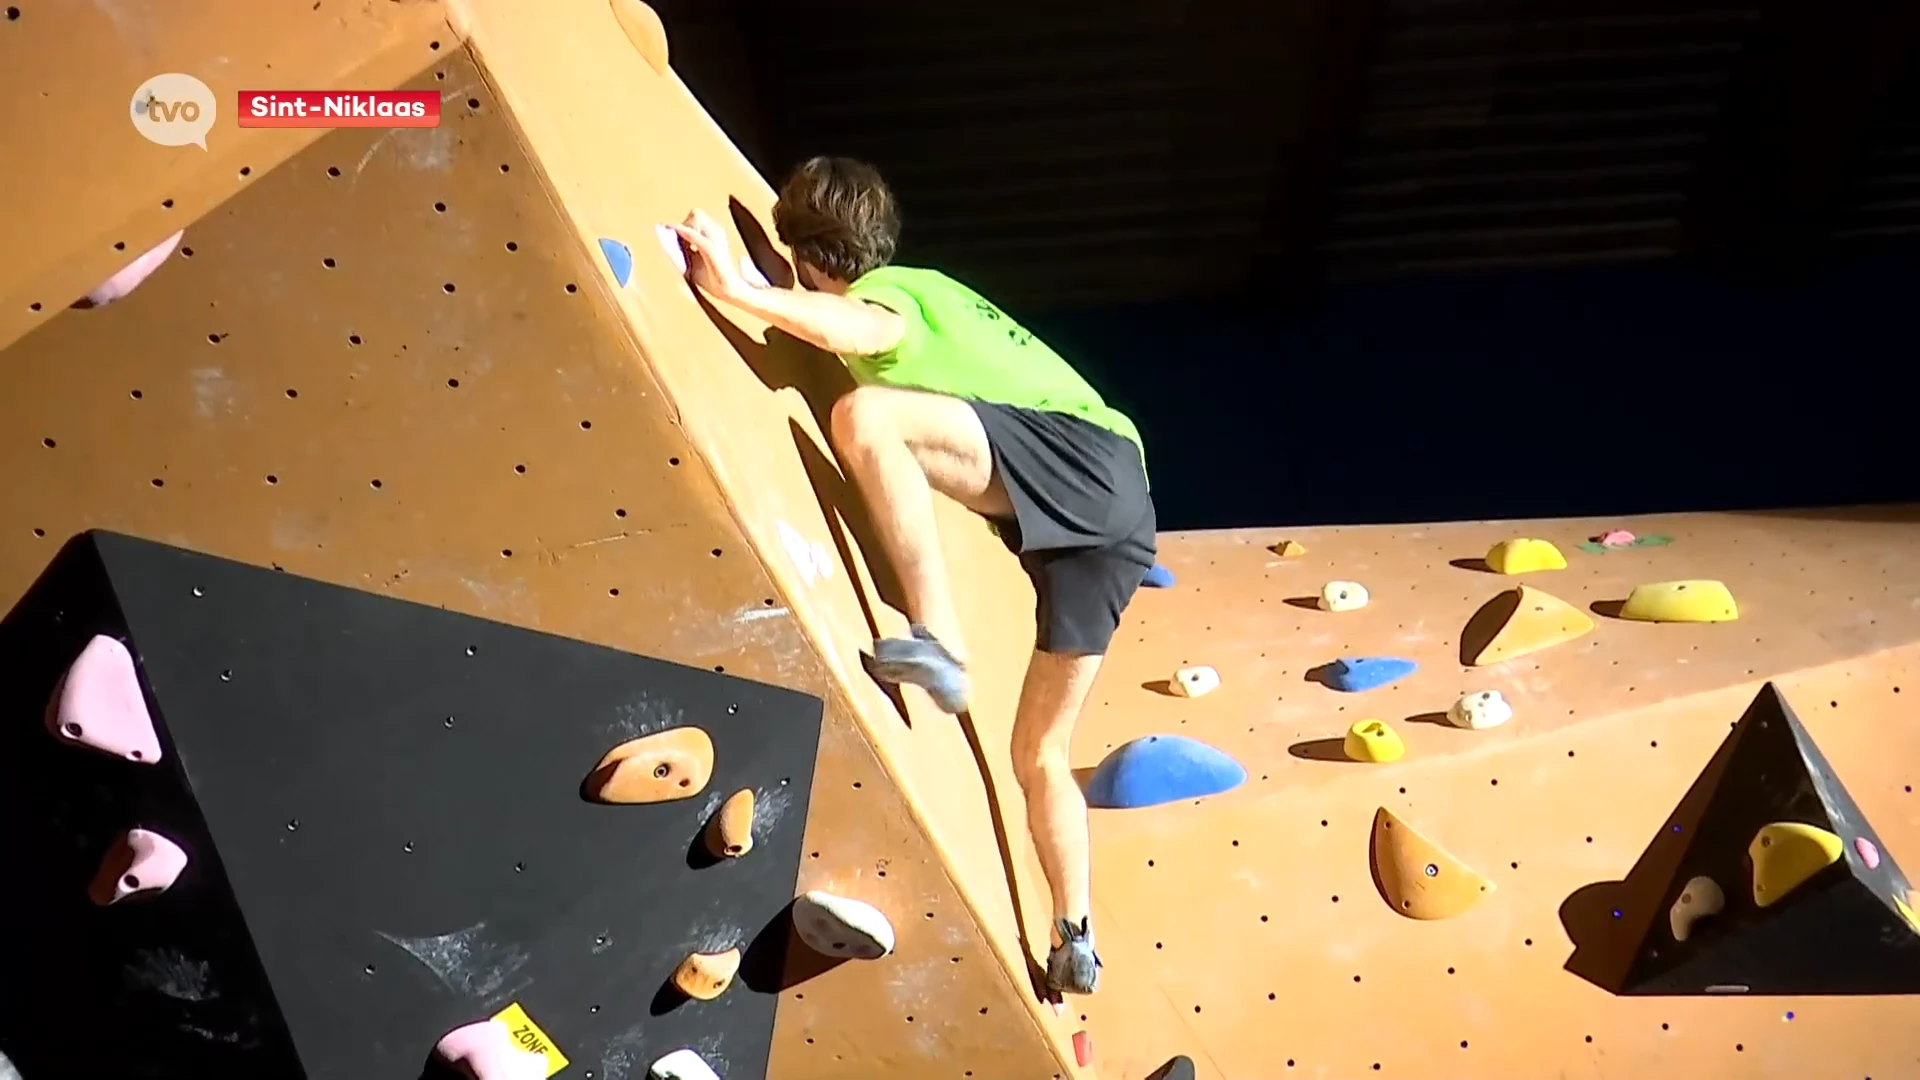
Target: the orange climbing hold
(644, 31)
(662, 767)
(1417, 878)
(705, 976)
(1523, 620)
(730, 831)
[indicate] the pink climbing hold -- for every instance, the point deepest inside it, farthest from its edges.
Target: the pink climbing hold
(1868, 853)
(486, 1051)
(1615, 538)
(98, 704)
(130, 278)
(141, 862)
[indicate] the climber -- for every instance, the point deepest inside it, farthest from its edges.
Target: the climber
(954, 396)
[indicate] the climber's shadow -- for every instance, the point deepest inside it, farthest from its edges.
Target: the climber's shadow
(784, 362)
(766, 258)
(1003, 841)
(1606, 920)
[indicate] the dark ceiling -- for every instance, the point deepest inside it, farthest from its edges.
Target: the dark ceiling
(1062, 158)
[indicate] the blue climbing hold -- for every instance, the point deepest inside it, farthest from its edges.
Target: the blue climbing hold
(1355, 673)
(1158, 578)
(1159, 769)
(619, 260)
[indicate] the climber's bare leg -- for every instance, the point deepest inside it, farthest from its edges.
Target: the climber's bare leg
(1051, 698)
(901, 446)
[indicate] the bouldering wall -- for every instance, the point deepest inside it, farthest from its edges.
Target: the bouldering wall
(456, 366)
(399, 361)
(1570, 808)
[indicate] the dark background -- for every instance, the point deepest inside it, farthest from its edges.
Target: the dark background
(1392, 260)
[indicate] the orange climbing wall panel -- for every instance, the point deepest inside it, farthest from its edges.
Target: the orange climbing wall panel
(393, 364)
(78, 213)
(756, 418)
(1253, 913)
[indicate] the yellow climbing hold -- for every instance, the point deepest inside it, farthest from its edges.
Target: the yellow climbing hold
(1907, 913)
(1417, 878)
(1785, 854)
(1530, 621)
(1288, 549)
(1681, 601)
(1524, 555)
(1373, 740)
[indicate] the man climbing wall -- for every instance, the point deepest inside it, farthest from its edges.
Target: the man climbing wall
(955, 396)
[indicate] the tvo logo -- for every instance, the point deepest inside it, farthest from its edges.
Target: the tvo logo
(174, 110)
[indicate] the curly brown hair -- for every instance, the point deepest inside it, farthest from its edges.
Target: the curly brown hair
(838, 216)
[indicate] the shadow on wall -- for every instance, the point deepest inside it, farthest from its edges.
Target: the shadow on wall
(1607, 920)
(785, 362)
(1544, 394)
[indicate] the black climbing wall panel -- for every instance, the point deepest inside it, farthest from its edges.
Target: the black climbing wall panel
(382, 804)
(1843, 931)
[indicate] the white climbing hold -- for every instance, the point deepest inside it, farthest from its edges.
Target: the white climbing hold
(670, 243)
(1195, 681)
(682, 1064)
(838, 926)
(1699, 898)
(1480, 711)
(1343, 596)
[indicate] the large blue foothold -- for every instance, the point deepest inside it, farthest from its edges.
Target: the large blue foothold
(619, 260)
(1159, 769)
(1158, 578)
(1356, 673)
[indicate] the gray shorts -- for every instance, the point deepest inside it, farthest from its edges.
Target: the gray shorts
(1083, 523)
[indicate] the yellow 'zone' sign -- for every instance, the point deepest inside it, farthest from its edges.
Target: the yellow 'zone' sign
(528, 1036)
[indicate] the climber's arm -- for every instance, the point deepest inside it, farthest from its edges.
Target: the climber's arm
(837, 324)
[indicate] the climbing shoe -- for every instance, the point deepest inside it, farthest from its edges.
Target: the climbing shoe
(922, 661)
(1073, 967)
